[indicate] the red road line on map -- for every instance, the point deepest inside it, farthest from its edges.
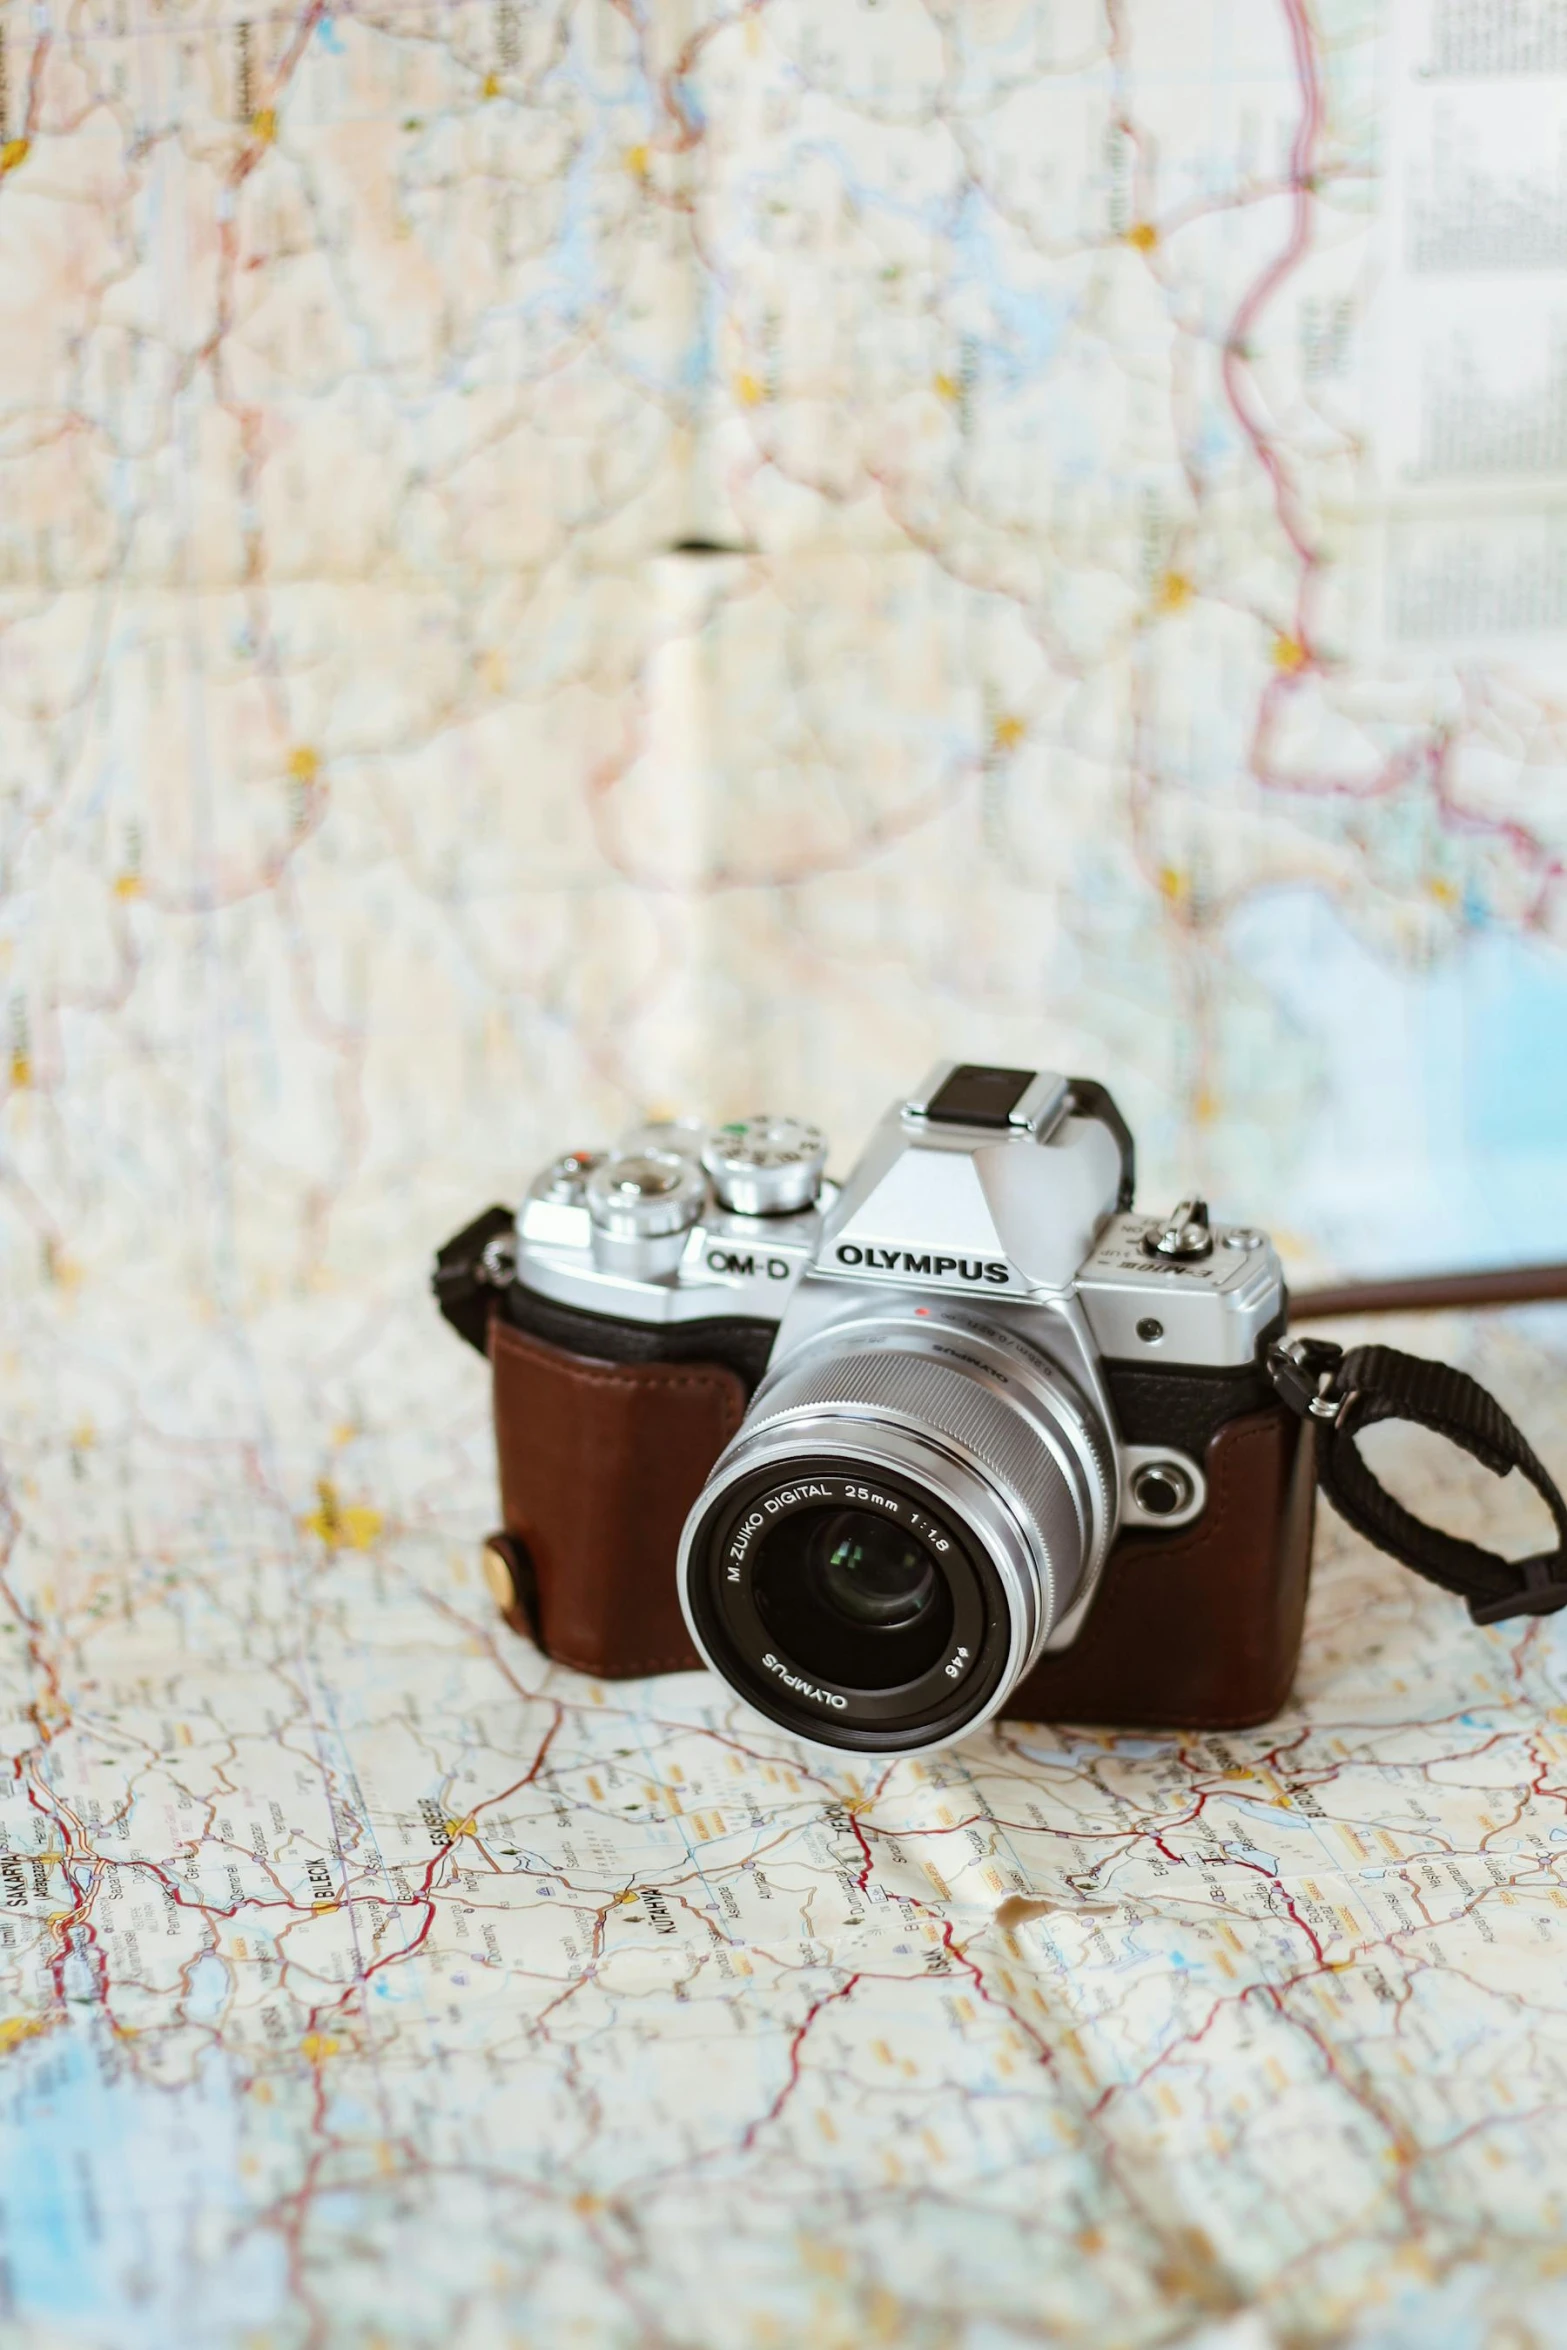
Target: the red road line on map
(975, 1972)
(797, 2040)
(1257, 299)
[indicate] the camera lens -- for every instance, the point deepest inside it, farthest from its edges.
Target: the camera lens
(853, 1596)
(910, 1507)
(871, 1573)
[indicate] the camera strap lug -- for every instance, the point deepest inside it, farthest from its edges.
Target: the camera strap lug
(1342, 1393)
(474, 1265)
(1302, 1369)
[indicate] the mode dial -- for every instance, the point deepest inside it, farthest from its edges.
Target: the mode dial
(764, 1166)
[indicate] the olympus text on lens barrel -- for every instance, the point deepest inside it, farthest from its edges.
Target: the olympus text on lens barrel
(966, 1381)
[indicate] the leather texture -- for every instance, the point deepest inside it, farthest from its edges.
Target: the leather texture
(1199, 1630)
(599, 1464)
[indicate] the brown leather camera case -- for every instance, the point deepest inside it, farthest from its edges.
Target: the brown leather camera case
(600, 1462)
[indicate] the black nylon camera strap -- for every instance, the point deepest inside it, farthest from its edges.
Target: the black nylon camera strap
(1344, 1393)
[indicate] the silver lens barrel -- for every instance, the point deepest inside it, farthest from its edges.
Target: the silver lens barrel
(968, 1443)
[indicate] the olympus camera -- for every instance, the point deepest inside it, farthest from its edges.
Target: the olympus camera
(965, 1435)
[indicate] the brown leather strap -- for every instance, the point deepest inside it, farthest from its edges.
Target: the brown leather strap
(1504, 1285)
(600, 1462)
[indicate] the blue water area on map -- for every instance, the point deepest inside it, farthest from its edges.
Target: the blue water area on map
(1438, 1130)
(103, 2177)
(208, 1989)
(1241, 1848)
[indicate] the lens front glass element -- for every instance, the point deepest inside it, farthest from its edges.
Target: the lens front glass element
(848, 1602)
(853, 1596)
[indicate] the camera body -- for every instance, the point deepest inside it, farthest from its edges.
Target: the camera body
(964, 1436)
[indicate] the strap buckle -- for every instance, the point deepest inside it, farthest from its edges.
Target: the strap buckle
(1543, 1592)
(1303, 1371)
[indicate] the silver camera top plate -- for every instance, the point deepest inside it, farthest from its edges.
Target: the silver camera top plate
(1208, 1312)
(984, 1184)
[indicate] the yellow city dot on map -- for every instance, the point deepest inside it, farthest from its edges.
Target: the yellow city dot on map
(1288, 652)
(456, 1828)
(14, 154)
(322, 1908)
(21, 1069)
(748, 389)
(128, 885)
(304, 764)
(491, 86)
(636, 161)
(1008, 733)
(884, 2316)
(945, 387)
(339, 1524)
(1443, 891)
(1175, 589)
(264, 124)
(1173, 885)
(318, 2046)
(1144, 236)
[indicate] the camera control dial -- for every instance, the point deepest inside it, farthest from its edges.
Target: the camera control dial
(765, 1166)
(643, 1195)
(563, 1180)
(643, 1204)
